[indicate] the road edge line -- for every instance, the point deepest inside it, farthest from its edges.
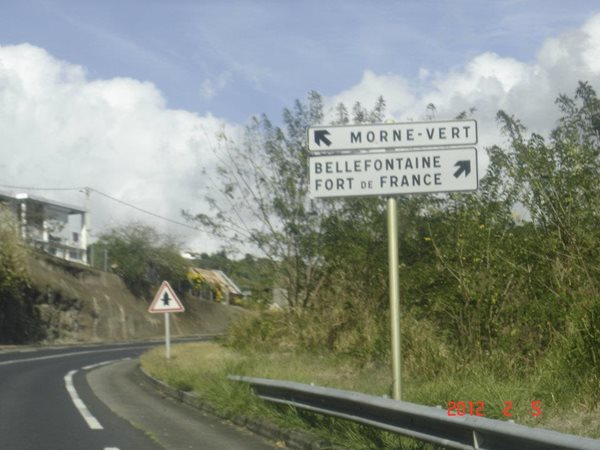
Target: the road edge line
(83, 410)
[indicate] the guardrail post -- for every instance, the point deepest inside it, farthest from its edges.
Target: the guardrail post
(477, 440)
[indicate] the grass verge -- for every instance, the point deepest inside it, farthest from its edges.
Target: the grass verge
(202, 368)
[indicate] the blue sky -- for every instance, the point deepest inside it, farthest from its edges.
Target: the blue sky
(128, 97)
(238, 58)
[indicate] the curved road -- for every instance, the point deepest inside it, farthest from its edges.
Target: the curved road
(46, 403)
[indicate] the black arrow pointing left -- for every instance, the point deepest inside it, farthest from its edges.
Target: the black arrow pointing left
(320, 136)
(463, 166)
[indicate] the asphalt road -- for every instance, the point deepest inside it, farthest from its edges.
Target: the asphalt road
(47, 403)
(125, 390)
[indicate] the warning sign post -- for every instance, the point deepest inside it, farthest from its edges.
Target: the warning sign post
(166, 301)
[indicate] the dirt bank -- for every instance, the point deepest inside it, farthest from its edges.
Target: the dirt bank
(68, 302)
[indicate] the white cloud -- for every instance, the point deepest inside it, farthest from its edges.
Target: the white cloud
(489, 82)
(211, 87)
(395, 89)
(591, 51)
(61, 129)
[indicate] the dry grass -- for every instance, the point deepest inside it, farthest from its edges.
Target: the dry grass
(191, 362)
(203, 367)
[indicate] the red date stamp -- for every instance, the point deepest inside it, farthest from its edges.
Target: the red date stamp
(460, 408)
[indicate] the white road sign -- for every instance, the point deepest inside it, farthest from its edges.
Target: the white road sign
(165, 300)
(392, 173)
(393, 135)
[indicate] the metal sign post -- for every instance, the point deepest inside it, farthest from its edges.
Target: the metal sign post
(167, 336)
(166, 301)
(392, 229)
(364, 160)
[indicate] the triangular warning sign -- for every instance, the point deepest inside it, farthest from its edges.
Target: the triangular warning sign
(165, 300)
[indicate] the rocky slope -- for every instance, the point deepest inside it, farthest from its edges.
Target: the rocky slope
(68, 302)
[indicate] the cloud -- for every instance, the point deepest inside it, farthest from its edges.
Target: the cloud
(395, 89)
(211, 87)
(489, 82)
(61, 129)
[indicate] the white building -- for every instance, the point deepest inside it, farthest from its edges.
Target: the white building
(53, 227)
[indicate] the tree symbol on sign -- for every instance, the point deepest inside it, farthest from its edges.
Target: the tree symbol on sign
(166, 299)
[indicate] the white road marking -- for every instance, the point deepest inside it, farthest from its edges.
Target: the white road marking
(103, 363)
(83, 410)
(62, 355)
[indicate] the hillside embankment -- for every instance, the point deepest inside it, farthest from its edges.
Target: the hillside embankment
(67, 302)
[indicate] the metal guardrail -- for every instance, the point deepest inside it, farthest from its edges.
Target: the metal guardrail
(425, 423)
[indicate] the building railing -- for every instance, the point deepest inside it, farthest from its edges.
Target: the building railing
(60, 249)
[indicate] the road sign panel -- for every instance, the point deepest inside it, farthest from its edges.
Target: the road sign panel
(165, 300)
(393, 173)
(393, 135)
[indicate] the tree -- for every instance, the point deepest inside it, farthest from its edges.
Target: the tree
(263, 201)
(12, 252)
(18, 317)
(263, 187)
(516, 283)
(557, 182)
(143, 258)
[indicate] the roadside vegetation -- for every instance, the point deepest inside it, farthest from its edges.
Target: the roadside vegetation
(142, 257)
(500, 296)
(18, 317)
(500, 288)
(202, 368)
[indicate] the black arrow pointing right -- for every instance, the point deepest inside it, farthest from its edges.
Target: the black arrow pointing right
(320, 136)
(463, 166)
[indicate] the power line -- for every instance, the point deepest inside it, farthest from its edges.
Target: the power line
(143, 210)
(90, 189)
(26, 188)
